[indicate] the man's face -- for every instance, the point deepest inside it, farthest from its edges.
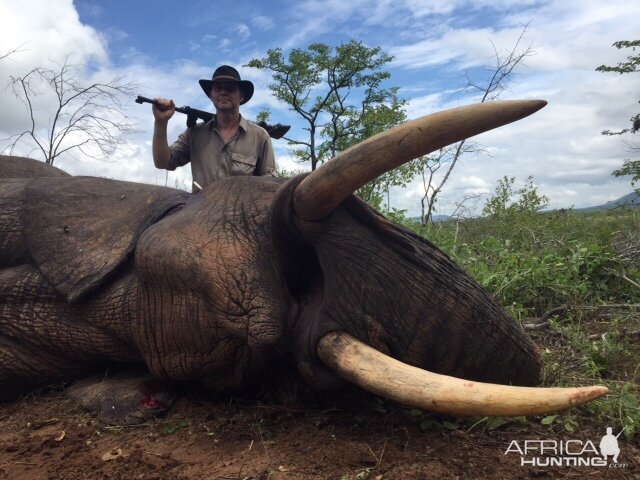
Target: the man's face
(226, 96)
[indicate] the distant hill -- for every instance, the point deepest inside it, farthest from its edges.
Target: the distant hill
(630, 200)
(436, 218)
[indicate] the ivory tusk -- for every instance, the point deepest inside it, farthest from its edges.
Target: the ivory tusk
(322, 191)
(382, 375)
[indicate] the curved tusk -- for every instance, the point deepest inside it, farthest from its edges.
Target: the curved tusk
(322, 191)
(392, 379)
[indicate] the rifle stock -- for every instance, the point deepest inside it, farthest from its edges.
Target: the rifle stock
(276, 131)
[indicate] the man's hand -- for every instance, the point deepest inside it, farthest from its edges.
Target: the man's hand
(163, 109)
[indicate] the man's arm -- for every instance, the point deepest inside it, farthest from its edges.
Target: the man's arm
(162, 110)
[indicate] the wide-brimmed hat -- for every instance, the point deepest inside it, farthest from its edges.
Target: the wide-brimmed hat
(225, 73)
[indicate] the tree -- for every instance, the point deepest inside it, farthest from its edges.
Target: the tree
(338, 93)
(87, 117)
(632, 65)
(514, 214)
(499, 76)
(507, 202)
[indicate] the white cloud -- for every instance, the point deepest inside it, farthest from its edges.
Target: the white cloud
(561, 146)
(311, 18)
(465, 47)
(48, 31)
(243, 31)
(262, 22)
(424, 105)
(197, 45)
(422, 8)
(474, 182)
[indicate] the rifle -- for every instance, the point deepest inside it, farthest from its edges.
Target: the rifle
(621, 431)
(276, 131)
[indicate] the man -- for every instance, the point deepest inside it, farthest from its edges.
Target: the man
(225, 146)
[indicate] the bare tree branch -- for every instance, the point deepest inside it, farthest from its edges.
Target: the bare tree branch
(8, 54)
(87, 117)
(501, 74)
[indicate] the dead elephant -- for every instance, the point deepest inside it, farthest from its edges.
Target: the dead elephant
(219, 287)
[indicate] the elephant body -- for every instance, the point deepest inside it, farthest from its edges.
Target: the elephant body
(76, 294)
(254, 275)
(222, 286)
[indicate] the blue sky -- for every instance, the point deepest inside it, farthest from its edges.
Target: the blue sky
(167, 46)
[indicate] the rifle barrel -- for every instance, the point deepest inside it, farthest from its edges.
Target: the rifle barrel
(275, 131)
(140, 99)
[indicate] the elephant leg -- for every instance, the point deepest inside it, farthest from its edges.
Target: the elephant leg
(44, 340)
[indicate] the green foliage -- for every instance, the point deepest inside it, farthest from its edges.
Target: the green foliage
(610, 357)
(539, 282)
(631, 65)
(633, 61)
(622, 409)
(504, 205)
(629, 168)
(171, 427)
(338, 92)
(533, 261)
(396, 215)
(263, 115)
(284, 173)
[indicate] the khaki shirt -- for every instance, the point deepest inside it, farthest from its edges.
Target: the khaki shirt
(249, 152)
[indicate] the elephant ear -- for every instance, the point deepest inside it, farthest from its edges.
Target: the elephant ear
(79, 230)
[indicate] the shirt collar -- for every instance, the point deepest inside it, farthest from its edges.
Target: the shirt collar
(244, 124)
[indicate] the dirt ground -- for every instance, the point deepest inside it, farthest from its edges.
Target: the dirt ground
(315, 436)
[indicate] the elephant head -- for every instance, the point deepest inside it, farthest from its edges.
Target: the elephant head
(399, 294)
(219, 286)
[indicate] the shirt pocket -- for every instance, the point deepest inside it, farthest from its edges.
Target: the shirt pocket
(242, 164)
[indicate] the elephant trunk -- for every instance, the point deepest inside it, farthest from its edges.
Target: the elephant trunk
(382, 375)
